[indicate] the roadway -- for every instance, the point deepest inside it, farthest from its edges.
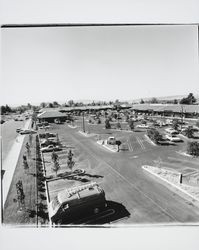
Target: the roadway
(143, 199)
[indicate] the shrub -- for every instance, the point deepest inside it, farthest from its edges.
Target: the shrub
(118, 125)
(175, 124)
(131, 124)
(107, 124)
(193, 148)
(189, 132)
(118, 143)
(154, 135)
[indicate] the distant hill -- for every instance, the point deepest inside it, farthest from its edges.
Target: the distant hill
(166, 98)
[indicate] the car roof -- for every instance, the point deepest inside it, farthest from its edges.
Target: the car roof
(69, 196)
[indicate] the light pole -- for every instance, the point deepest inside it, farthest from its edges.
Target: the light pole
(83, 123)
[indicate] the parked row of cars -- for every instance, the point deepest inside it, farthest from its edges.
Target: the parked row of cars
(49, 142)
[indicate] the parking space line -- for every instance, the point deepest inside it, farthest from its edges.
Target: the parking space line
(140, 142)
(130, 145)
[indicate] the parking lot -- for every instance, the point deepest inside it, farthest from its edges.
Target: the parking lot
(133, 195)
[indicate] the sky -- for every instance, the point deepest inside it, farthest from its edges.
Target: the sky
(97, 63)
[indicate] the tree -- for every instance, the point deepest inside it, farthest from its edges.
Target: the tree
(70, 103)
(8, 109)
(175, 124)
(28, 149)
(175, 101)
(131, 124)
(50, 105)
(117, 104)
(54, 157)
(154, 135)
(118, 125)
(141, 101)
(70, 161)
(190, 99)
(29, 106)
(193, 148)
(107, 124)
(56, 167)
(30, 139)
(99, 121)
(25, 163)
(56, 104)
(118, 143)
(5, 109)
(127, 118)
(42, 104)
(57, 139)
(189, 132)
(154, 100)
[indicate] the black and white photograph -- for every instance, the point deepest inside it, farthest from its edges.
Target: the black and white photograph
(102, 126)
(99, 111)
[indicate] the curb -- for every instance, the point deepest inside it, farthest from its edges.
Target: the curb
(72, 126)
(150, 141)
(112, 150)
(184, 154)
(85, 134)
(170, 183)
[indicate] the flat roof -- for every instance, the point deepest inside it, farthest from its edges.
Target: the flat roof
(167, 107)
(51, 114)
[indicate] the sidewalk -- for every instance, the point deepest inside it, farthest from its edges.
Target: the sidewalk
(86, 134)
(172, 178)
(10, 162)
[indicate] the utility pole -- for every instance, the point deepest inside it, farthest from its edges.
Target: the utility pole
(83, 123)
(182, 114)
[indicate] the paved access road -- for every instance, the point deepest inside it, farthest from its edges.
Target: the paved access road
(134, 192)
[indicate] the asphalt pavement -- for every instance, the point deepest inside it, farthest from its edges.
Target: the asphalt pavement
(144, 199)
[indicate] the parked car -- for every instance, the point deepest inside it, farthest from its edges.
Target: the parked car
(142, 126)
(44, 135)
(48, 142)
(173, 138)
(111, 140)
(2, 121)
(50, 148)
(18, 130)
(26, 131)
